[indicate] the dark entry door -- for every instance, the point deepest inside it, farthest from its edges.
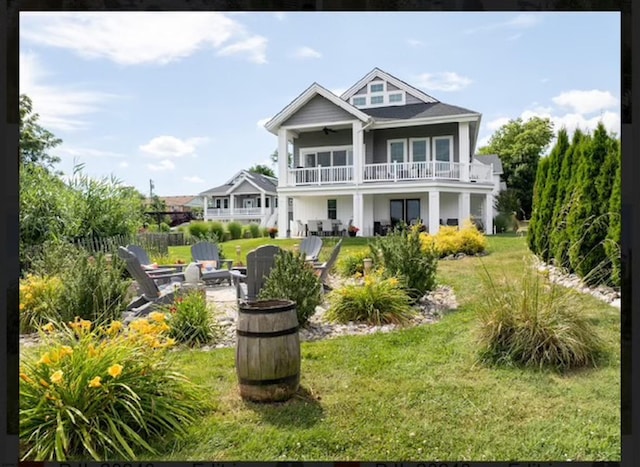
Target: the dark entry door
(404, 210)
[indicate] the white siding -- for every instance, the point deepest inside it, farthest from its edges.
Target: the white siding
(305, 208)
(448, 206)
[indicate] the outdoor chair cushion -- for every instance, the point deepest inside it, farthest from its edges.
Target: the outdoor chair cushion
(208, 266)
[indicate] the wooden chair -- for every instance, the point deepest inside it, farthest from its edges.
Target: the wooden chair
(311, 247)
(259, 264)
(207, 251)
(522, 227)
(149, 266)
(326, 267)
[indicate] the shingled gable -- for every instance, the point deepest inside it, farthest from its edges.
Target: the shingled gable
(259, 181)
(299, 102)
(378, 74)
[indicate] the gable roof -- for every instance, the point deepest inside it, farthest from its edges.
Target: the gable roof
(314, 90)
(404, 112)
(383, 75)
(261, 182)
(491, 159)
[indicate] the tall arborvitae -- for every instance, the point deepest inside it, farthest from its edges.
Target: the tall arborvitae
(612, 244)
(586, 224)
(538, 189)
(564, 197)
(548, 196)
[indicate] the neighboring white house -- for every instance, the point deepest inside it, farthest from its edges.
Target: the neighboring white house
(246, 197)
(382, 153)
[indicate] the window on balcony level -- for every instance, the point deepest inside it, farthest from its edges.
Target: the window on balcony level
(396, 150)
(443, 148)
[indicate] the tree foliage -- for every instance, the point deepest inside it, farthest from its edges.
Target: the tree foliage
(35, 141)
(612, 245)
(519, 145)
(262, 169)
(538, 189)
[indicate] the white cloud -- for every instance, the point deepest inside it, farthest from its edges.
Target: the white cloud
(170, 146)
(307, 52)
(521, 21)
(60, 107)
(255, 47)
(260, 123)
(193, 179)
(445, 81)
(483, 141)
(130, 38)
(415, 42)
(123, 165)
(493, 125)
(163, 165)
(585, 102)
(88, 152)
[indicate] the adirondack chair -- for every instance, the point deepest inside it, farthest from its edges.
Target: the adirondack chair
(152, 295)
(207, 251)
(522, 226)
(311, 247)
(149, 266)
(259, 264)
(325, 267)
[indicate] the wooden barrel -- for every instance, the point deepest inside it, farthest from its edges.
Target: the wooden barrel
(268, 350)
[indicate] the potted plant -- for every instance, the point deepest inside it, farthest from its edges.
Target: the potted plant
(353, 230)
(273, 231)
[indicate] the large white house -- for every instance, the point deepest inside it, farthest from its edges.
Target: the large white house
(382, 153)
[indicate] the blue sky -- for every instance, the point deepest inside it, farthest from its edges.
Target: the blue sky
(181, 98)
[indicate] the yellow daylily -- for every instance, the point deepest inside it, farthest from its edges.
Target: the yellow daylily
(56, 377)
(49, 327)
(157, 316)
(26, 378)
(115, 327)
(115, 370)
(95, 382)
(45, 359)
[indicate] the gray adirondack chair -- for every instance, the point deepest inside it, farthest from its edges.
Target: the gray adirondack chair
(311, 247)
(326, 267)
(147, 264)
(207, 251)
(152, 295)
(259, 264)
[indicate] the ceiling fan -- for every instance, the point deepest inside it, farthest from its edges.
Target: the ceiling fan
(327, 130)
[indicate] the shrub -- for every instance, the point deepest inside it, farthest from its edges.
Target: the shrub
(255, 230)
(450, 241)
(164, 227)
(447, 241)
(246, 232)
(199, 230)
(94, 288)
(235, 229)
(403, 255)
(39, 301)
(503, 222)
(471, 240)
(217, 229)
(264, 231)
(533, 323)
(190, 319)
(103, 393)
(353, 263)
(378, 301)
(292, 278)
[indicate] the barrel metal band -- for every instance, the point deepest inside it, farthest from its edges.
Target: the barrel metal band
(284, 332)
(263, 311)
(266, 382)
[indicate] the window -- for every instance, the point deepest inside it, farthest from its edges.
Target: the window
(404, 210)
(226, 203)
(359, 101)
(310, 160)
(275, 202)
(419, 149)
(442, 148)
(327, 157)
(266, 202)
(376, 87)
(396, 150)
(395, 97)
(332, 209)
(377, 100)
(218, 203)
(324, 158)
(258, 202)
(340, 157)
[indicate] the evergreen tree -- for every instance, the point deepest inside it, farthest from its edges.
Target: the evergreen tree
(568, 177)
(612, 245)
(538, 189)
(548, 196)
(587, 224)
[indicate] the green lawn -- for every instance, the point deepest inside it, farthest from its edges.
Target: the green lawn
(416, 394)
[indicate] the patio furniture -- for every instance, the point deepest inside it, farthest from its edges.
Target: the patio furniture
(326, 267)
(326, 227)
(311, 247)
(301, 229)
(150, 266)
(208, 251)
(259, 264)
(152, 295)
(452, 222)
(312, 227)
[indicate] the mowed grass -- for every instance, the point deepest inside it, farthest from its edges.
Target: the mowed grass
(417, 394)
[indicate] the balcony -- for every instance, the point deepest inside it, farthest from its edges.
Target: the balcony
(219, 213)
(321, 175)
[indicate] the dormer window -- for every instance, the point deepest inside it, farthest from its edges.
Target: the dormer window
(376, 87)
(376, 100)
(395, 97)
(379, 94)
(358, 101)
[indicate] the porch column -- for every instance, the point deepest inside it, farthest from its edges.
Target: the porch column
(434, 212)
(283, 218)
(283, 156)
(464, 207)
(232, 202)
(263, 209)
(358, 152)
(358, 216)
(205, 205)
(488, 214)
(464, 154)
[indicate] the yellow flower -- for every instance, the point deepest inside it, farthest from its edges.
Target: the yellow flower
(95, 382)
(56, 377)
(49, 327)
(85, 325)
(393, 281)
(65, 350)
(115, 327)
(21, 306)
(115, 370)
(92, 350)
(156, 343)
(26, 378)
(45, 359)
(170, 342)
(157, 316)
(44, 383)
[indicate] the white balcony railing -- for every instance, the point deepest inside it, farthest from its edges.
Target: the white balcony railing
(219, 212)
(321, 175)
(400, 171)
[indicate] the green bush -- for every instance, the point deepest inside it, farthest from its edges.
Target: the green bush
(503, 222)
(216, 228)
(404, 256)
(451, 240)
(190, 319)
(164, 227)
(292, 278)
(353, 263)
(105, 393)
(533, 323)
(255, 230)
(264, 231)
(378, 301)
(39, 301)
(246, 232)
(235, 229)
(199, 230)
